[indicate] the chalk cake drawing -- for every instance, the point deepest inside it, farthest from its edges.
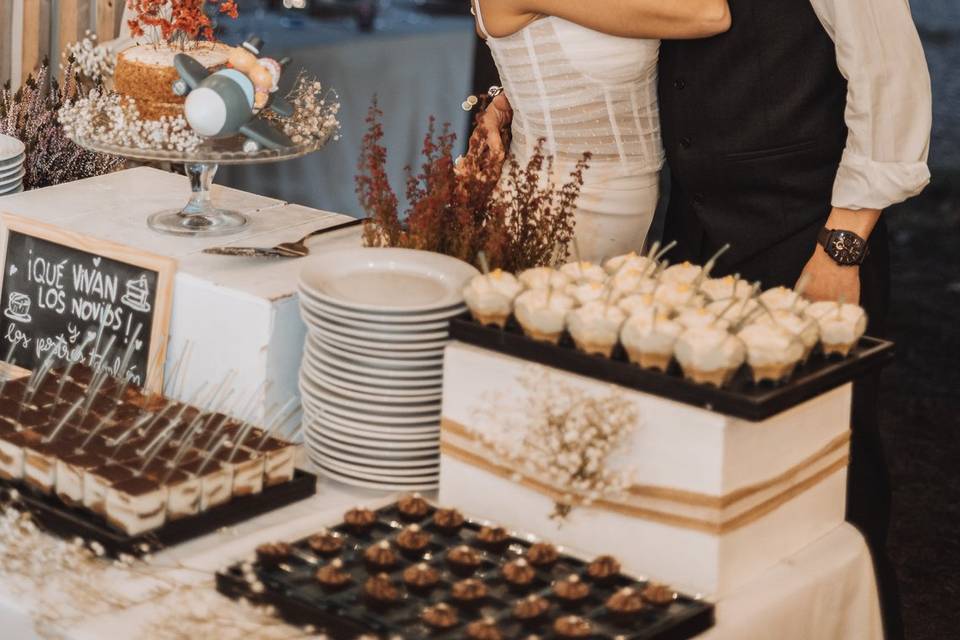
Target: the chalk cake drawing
(137, 294)
(18, 307)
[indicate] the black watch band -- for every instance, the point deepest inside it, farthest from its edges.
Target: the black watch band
(846, 248)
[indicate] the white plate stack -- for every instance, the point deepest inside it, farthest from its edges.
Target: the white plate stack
(12, 155)
(371, 380)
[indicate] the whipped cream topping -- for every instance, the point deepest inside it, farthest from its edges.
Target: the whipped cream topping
(587, 291)
(733, 310)
(694, 317)
(804, 328)
(579, 271)
(650, 333)
(839, 323)
(596, 323)
(543, 310)
(632, 261)
(628, 281)
(768, 344)
(543, 278)
(677, 294)
(728, 287)
(643, 303)
(709, 349)
(783, 298)
(685, 272)
(492, 293)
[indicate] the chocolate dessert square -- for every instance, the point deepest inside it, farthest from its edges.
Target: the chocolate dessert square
(70, 473)
(136, 505)
(216, 481)
(280, 462)
(246, 467)
(96, 483)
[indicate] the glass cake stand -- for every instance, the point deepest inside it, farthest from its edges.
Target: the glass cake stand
(200, 216)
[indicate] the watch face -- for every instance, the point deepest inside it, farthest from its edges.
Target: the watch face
(845, 247)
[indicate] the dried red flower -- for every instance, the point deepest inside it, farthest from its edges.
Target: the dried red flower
(176, 20)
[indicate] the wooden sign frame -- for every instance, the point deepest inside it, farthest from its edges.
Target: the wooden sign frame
(164, 267)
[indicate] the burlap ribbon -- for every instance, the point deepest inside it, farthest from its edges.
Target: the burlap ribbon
(715, 514)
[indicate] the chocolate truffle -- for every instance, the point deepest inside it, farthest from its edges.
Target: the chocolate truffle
(572, 627)
(448, 520)
(518, 572)
(530, 608)
(325, 542)
(571, 588)
(659, 594)
(492, 536)
(413, 506)
(542, 554)
(332, 575)
(421, 576)
(440, 616)
(273, 553)
(464, 558)
(360, 519)
(381, 588)
(626, 601)
(485, 629)
(413, 538)
(603, 568)
(380, 555)
(469, 590)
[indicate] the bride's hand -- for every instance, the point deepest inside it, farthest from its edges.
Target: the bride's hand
(488, 142)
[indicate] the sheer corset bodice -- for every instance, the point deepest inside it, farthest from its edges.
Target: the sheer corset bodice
(581, 90)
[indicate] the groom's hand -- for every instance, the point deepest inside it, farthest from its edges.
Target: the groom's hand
(827, 279)
(487, 140)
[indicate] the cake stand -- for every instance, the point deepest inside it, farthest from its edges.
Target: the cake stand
(200, 216)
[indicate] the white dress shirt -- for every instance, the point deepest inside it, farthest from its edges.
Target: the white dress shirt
(889, 111)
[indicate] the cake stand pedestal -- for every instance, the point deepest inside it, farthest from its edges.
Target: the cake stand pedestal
(200, 216)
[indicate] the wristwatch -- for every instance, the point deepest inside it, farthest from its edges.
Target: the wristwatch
(845, 247)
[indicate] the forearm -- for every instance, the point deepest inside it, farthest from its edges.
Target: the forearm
(861, 222)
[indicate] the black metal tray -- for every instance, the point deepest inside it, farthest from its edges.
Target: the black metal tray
(742, 398)
(60, 519)
(291, 588)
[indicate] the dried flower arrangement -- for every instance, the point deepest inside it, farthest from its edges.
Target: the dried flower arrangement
(176, 22)
(93, 61)
(314, 119)
(30, 114)
(565, 438)
(462, 208)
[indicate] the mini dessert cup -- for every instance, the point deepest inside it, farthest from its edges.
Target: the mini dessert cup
(648, 340)
(677, 294)
(783, 298)
(216, 481)
(841, 325)
(629, 261)
(11, 453)
(772, 352)
(246, 468)
(70, 473)
(543, 278)
(587, 291)
(280, 462)
(542, 313)
(683, 273)
(726, 288)
(709, 355)
(643, 303)
(584, 271)
(490, 297)
(97, 482)
(698, 317)
(595, 327)
(137, 505)
(804, 328)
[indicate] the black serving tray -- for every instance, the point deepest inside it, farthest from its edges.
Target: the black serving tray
(66, 521)
(299, 599)
(742, 398)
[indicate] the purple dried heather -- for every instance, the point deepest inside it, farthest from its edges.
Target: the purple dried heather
(30, 115)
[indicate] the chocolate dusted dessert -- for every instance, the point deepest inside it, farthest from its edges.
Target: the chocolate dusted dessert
(492, 536)
(658, 594)
(468, 591)
(572, 627)
(571, 589)
(413, 507)
(380, 555)
(381, 589)
(531, 608)
(360, 519)
(325, 542)
(626, 602)
(413, 538)
(271, 554)
(70, 472)
(603, 568)
(421, 576)
(137, 505)
(518, 573)
(449, 521)
(542, 554)
(440, 616)
(97, 482)
(464, 559)
(333, 575)
(216, 481)
(484, 629)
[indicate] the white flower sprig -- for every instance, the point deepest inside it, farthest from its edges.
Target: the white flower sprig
(95, 61)
(315, 110)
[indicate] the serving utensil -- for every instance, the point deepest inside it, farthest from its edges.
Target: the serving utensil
(296, 249)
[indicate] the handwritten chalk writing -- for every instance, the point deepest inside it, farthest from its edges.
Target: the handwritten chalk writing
(16, 337)
(43, 271)
(101, 312)
(53, 299)
(94, 282)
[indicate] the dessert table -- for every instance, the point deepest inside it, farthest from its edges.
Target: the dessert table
(826, 591)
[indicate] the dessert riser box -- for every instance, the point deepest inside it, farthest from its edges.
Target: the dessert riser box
(713, 500)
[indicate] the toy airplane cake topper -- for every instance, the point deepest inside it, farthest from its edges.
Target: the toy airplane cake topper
(229, 101)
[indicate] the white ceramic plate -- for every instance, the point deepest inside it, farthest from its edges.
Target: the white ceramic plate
(375, 448)
(379, 419)
(10, 192)
(361, 443)
(322, 395)
(374, 473)
(375, 351)
(11, 148)
(373, 458)
(431, 375)
(329, 455)
(7, 172)
(378, 362)
(315, 365)
(386, 279)
(324, 328)
(13, 179)
(424, 394)
(13, 163)
(371, 394)
(314, 304)
(416, 437)
(312, 316)
(378, 486)
(379, 345)
(322, 415)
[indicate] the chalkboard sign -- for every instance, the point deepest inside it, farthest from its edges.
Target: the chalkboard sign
(67, 297)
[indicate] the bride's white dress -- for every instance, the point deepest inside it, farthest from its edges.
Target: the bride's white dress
(582, 90)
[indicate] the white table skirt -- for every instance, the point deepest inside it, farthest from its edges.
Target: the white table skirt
(827, 591)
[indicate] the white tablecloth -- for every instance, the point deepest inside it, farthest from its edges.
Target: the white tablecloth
(826, 591)
(416, 65)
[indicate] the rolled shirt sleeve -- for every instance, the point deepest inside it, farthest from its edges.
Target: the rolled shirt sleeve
(889, 111)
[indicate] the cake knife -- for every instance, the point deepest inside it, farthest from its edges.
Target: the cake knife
(296, 249)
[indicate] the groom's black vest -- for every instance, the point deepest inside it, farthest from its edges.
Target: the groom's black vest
(753, 128)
